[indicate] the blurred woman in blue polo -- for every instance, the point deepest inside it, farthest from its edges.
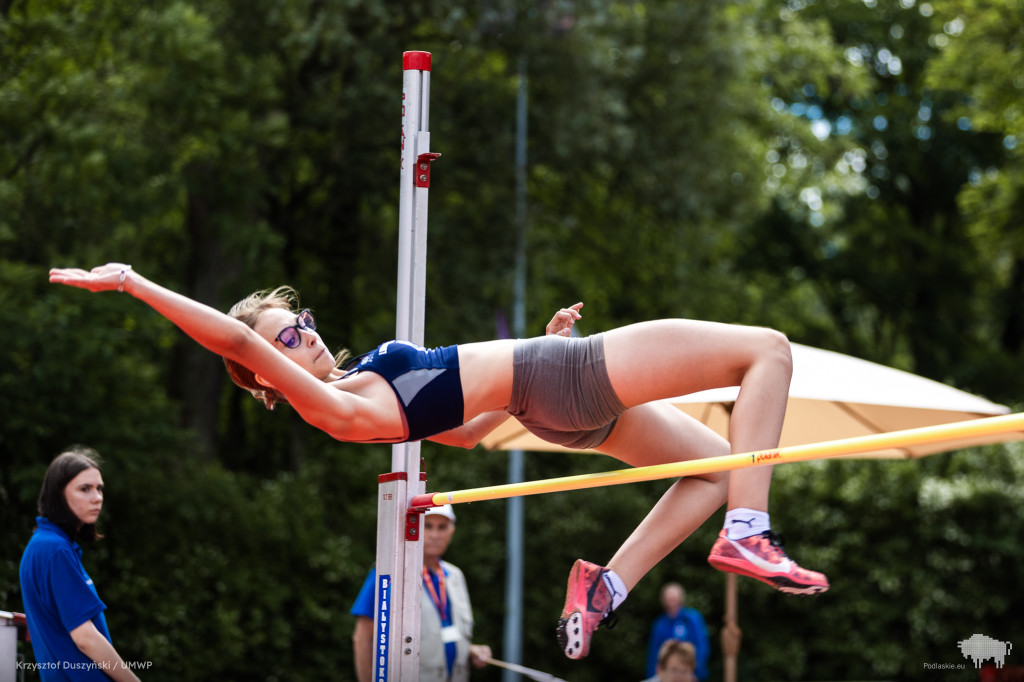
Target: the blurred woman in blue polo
(64, 612)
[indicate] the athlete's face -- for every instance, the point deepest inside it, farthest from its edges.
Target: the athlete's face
(84, 495)
(278, 326)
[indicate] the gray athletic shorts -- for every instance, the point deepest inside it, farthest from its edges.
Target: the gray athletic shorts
(561, 391)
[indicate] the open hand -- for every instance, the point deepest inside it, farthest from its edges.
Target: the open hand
(102, 278)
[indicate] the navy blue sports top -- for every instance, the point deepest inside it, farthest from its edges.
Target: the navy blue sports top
(425, 380)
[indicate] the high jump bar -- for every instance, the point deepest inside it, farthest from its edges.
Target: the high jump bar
(795, 453)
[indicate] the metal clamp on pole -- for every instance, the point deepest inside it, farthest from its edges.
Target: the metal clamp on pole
(423, 168)
(412, 522)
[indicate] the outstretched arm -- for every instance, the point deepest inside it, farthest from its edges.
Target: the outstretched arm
(330, 410)
(209, 327)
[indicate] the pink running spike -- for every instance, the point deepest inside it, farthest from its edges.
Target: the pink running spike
(588, 604)
(761, 557)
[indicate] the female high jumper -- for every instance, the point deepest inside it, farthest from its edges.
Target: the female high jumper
(596, 392)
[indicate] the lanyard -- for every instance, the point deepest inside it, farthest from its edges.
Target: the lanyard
(440, 600)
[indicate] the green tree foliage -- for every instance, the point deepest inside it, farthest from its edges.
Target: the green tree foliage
(874, 238)
(848, 172)
(981, 61)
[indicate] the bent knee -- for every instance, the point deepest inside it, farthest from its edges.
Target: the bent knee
(774, 348)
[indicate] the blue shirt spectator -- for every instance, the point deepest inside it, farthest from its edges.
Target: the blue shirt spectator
(64, 612)
(679, 622)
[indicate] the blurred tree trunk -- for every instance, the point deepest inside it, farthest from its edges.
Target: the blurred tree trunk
(197, 376)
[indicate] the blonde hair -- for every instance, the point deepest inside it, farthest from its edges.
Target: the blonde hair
(248, 310)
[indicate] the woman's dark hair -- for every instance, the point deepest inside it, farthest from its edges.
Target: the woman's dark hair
(54, 505)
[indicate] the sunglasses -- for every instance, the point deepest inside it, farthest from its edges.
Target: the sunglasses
(290, 336)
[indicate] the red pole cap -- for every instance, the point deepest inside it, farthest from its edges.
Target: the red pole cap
(416, 61)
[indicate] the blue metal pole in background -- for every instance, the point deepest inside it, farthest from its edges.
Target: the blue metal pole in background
(513, 645)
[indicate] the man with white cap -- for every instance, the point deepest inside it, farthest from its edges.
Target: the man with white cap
(446, 615)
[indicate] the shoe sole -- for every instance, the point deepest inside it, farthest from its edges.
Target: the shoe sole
(570, 635)
(781, 582)
(569, 631)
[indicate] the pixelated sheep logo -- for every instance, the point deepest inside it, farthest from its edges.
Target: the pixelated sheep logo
(980, 648)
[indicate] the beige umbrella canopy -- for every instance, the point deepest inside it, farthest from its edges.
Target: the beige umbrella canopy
(831, 396)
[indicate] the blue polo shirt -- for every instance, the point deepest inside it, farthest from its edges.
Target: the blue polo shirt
(59, 596)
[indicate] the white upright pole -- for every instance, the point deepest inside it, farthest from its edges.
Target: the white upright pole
(399, 551)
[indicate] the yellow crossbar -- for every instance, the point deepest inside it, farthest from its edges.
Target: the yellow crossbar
(955, 431)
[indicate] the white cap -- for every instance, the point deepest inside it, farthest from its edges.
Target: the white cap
(444, 510)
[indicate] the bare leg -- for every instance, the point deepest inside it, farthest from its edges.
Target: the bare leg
(665, 358)
(645, 434)
(658, 434)
(662, 359)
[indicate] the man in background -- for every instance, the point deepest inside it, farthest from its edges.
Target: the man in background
(446, 615)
